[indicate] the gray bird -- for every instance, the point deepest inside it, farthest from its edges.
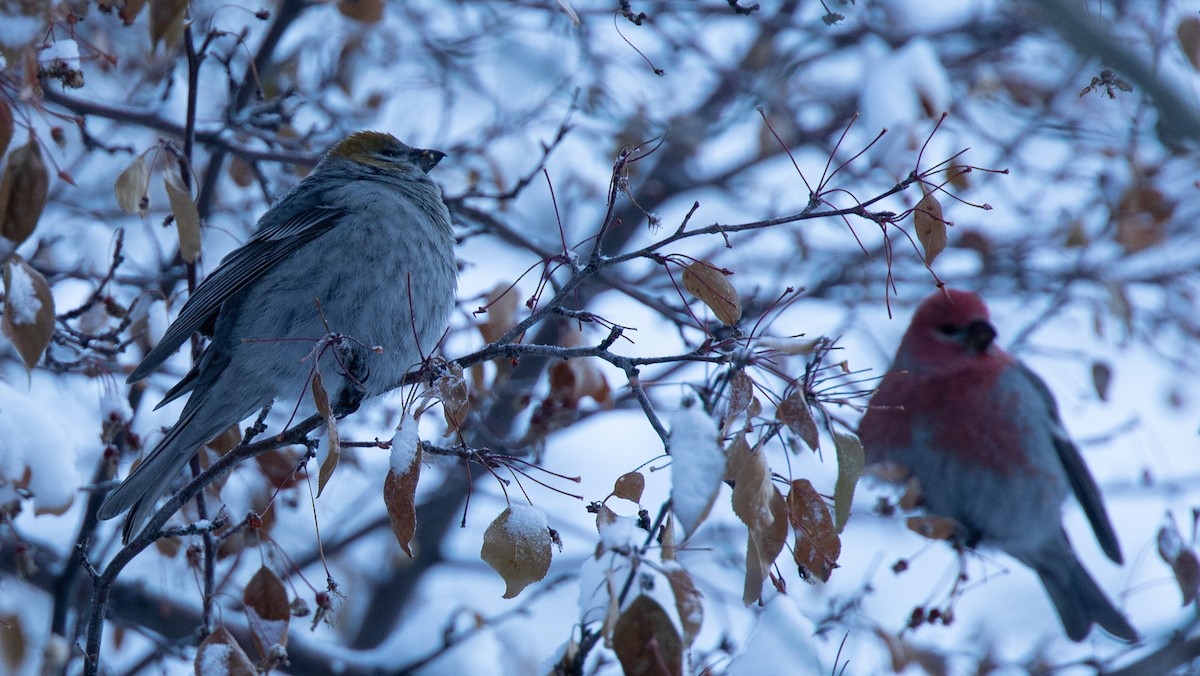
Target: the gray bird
(362, 247)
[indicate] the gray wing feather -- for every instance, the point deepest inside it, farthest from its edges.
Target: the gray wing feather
(242, 267)
(1080, 478)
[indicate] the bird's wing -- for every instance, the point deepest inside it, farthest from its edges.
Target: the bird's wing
(263, 251)
(1082, 483)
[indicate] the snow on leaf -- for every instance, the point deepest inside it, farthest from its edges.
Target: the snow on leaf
(220, 655)
(517, 546)
(267, 610)
(400, 488)
(697, 466)
(28, 320)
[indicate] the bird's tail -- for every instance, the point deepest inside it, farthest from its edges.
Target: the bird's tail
(151, 479)
(1078, 599)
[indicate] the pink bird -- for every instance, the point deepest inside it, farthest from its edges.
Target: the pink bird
(982, 435)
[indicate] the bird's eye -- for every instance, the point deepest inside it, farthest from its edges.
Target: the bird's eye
(947, 329)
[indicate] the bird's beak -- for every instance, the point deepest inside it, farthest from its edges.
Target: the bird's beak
(979, 336)
(429, 158)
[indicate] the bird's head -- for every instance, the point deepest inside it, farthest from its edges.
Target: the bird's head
(950, 324)
(382, 150)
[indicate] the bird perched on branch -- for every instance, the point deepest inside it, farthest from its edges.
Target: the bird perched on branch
(351, 273)
(982, 435)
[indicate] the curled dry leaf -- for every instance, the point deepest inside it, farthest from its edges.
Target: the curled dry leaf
(817, 543)
(132, 186)
(851, 459)
(400, 486)
(687, 601)
(517, 545)
(708, 283)
(604, 517)
(574, 379)
(334, 447)
(793, 411)
(267, 610)
(23, 191)
(741, 393)
(451, 389)
(221, 654)
(630, 486)
(28, 320)
(930, 226)
(187, 216)
(646, 640)
(762, 508)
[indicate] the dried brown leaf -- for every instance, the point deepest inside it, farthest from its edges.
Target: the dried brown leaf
(741, 393)
(23, 191)
(571, 381)
(646, 640)
(187, 216)
(517, 546)
(817, 543)
(687, 602)
(930, 226)
(793, 411)
(451, 389)
(334, 445)
(709, 283)
(762, 508)
(267, 610)
(400, 497)
(630, 486)
(220, 655)
(28, 320)
(132, 186)
(604, 517)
